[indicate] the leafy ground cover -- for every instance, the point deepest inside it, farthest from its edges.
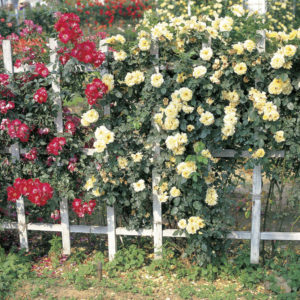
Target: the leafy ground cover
(135, 275)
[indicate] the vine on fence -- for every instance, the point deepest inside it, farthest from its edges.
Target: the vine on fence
(208, 89)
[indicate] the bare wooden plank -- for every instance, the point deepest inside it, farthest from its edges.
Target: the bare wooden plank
(281, 236)
(256, 212)
(239, 235)
(228, 153)
(7, 56)
(15, 153)
(139, 232)
(157, 209)
(55, 85)
(65, 226)
(171, 233)
(89, 229)
(44, 227)
(89, 151)
(22, 223)
(111, 230)
(256, 5)
(6, 225)
(189, 8)
(111, 218)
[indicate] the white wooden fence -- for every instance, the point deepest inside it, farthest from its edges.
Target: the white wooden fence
(157, 231)
(111, 230)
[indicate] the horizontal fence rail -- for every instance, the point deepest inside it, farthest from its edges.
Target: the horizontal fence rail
(157, 232)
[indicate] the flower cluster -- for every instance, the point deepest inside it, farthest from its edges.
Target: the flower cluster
(16, 129)
(157, 80)
(179, 103)
(6, 106)
(95, 91)
(41, 95)
(81, 209)
(70, 127)
(211, 198)
(103, 137)
(192, 225)
(267, 108)
(259, 153)
(4, 79)
(185, 169)
(279, 58)
(89, 117)
(31, 155)
(68, 28)
(176, 143)
(279, 136)
(134, 78)
(139, 185)
(108, 79)
(30, 28)
(69, 31)
(37, 192)
(278, 86)
(87, 53)
(120, 55)
(56, 145)
(41, 70)
(55, 215)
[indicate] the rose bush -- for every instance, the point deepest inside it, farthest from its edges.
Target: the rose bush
(191, 86)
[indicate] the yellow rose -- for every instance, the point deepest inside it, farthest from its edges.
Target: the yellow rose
(240, 68)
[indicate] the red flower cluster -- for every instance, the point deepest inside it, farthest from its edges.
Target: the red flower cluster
(17, 129)
(43, 131)
(69, 31)
(56, 145)
(4, 79)
(72, 163)
(41, 70)
(31, 155)
(82, 209)
(70, 127)
(95, 91)
(37, 192)
(87, 53)
(4, 107)
(41, 95)
(30, 28)
(68, 28)
(64, 58)
(112, 9)
(55, 215)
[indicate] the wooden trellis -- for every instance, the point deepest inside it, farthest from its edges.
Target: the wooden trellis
(157, 231)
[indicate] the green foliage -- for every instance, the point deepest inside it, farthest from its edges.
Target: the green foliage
(13, 267)
(126, 259)
(287, 265)
(56, 245)
(81, 275)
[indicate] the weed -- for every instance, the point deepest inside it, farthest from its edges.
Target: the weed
(126, 259)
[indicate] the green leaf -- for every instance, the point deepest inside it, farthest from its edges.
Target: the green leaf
(198, 147)
(174, 211)
(197, 205)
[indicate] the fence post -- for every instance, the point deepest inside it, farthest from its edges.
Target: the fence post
(110, 210)
(256, 212)
(15, 153)
(64, 208)
(189, 7)
(261, 8)
(157, 209)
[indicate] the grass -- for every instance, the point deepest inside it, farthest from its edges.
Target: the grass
(134, 275)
